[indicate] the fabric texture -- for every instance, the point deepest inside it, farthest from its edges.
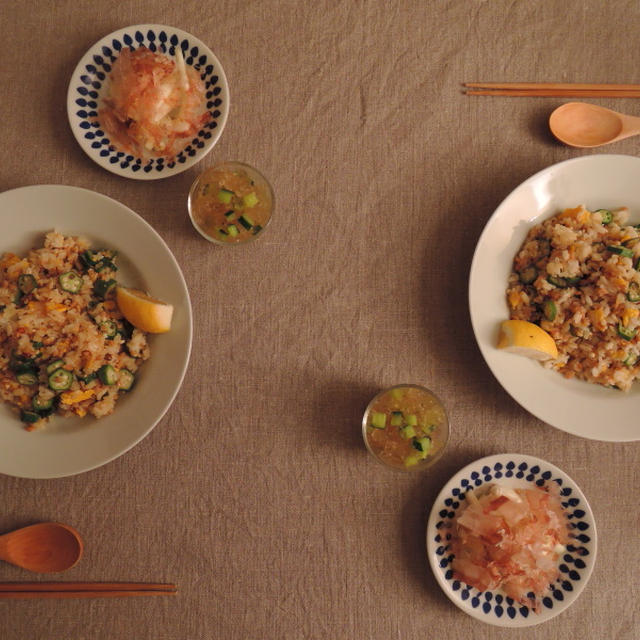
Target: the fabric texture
(255, 493)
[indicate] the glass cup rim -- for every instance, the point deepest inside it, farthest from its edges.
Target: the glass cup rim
(424, 465)
(250, 169)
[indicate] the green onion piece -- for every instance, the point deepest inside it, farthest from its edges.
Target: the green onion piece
(26, 283)
(54, 366)
(102, 288)
(126, 380)
(28, 378)
(21, 364)
(528, 275)
(550, 310)
(563, 283)
(71, 282)
(107, 374)
(620, 250)
(29, 416)
(41, 404)
(607, 216)
(60, 380)
(105, 264)
(626, 333)
(633, 292)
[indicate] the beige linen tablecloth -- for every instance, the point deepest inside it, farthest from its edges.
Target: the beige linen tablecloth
(255, 493)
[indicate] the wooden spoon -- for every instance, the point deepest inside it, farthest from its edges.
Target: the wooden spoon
(46, 547)
(585, 125)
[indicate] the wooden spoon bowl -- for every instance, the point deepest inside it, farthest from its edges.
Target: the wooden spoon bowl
(46, 547)
(585, 125)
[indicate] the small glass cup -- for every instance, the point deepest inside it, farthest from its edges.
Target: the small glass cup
(231, 203)
(406, 427)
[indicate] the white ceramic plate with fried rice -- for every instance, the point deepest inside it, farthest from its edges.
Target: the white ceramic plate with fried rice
(68, 446)
(580, 408)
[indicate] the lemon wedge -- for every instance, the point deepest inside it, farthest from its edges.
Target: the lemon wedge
(526, 339)
(143, 311)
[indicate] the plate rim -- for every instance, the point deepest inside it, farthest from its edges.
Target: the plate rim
(431, 532)
(178, 168)
(533, 409)
(187, 338)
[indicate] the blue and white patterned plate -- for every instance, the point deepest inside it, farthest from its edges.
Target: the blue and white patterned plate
(88, 82)
(513, 471)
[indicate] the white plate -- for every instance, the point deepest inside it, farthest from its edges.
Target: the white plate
(88, 82)
(73, 445)
(581, 408)
(515, 471)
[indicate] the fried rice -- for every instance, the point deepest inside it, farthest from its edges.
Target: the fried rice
(576, 276)
(64, 346)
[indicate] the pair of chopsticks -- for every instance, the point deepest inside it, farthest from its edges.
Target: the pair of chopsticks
(552, 89)
(84, 589)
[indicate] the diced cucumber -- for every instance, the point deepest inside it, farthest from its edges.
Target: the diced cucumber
(224, 196)
(412, 419)
(396, 418)
(408, 432)
(245, 221)
(378, 420)
(233, 230)
(250, 200)
(422, 444)
(412, 460)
